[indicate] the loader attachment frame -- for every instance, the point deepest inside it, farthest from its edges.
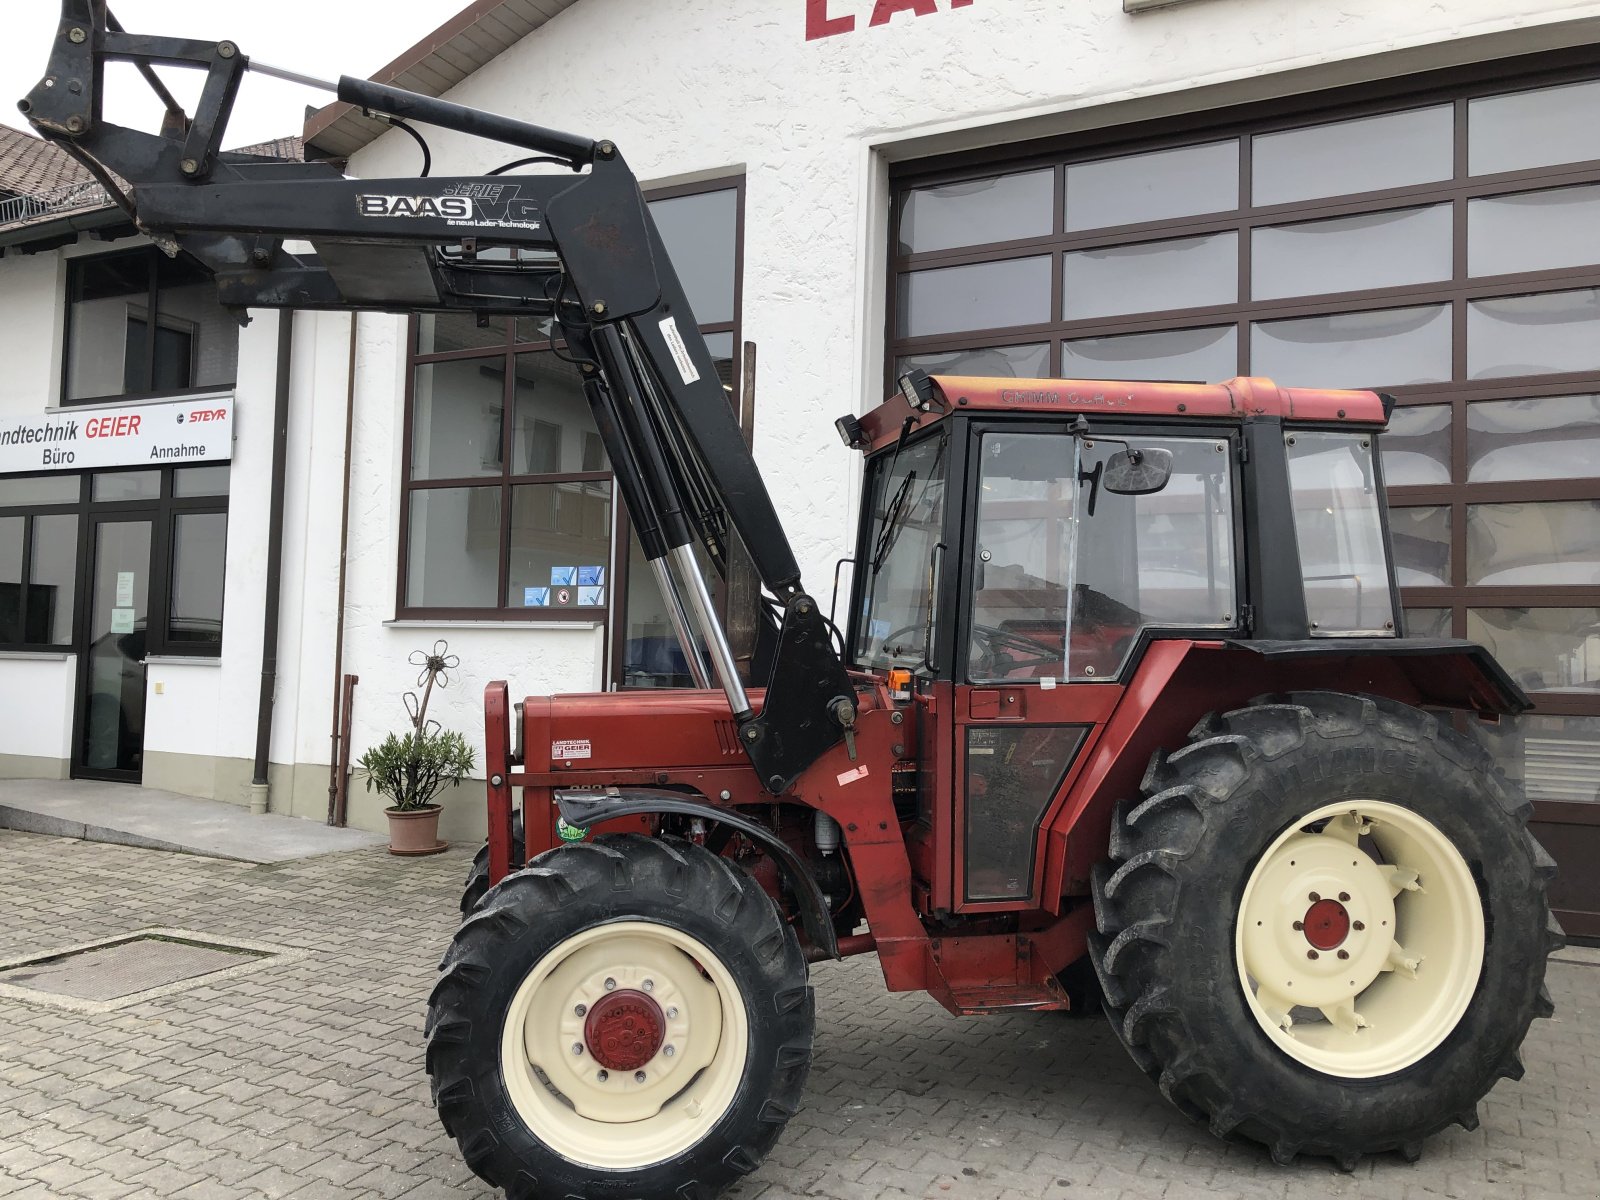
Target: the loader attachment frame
(580, 250)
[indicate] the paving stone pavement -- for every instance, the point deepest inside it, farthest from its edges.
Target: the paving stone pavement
(304, 1079)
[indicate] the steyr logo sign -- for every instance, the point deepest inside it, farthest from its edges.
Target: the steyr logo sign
(828, 18)
(122, 435)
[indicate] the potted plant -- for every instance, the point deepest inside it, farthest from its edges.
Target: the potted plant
(410, 769)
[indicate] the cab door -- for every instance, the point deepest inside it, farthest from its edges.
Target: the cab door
(1064, 583)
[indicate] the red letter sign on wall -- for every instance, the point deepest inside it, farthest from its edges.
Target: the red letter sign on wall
(820, 25)
(885, 9)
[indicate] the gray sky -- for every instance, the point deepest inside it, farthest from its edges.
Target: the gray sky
(323, 38)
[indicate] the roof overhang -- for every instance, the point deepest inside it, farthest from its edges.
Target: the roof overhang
(469, 40)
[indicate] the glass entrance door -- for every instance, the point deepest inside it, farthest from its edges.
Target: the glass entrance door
(110, 742)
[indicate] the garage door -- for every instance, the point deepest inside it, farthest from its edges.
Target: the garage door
(1437, 238)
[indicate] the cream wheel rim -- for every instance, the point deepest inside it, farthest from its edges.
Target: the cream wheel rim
(684, 1056)
(1360, 939)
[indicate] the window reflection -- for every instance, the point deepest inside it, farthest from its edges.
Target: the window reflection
(1534, 335)
(1548, 544)
(1416, 446)
(1548, 437)
(1387, 348)
(998, 208)
(1543, 649)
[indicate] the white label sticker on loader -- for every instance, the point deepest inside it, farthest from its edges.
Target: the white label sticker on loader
(680, 352)
(570, 749)
(846, 777)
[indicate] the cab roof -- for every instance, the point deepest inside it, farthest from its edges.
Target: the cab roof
(1234, 400)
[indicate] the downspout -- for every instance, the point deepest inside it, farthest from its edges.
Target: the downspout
(340, 754)
(259, 788)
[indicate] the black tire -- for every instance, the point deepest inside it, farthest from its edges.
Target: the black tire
(477, 884)
(574, 889)
(1167, 903)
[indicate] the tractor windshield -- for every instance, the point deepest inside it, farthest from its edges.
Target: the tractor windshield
(905, 511)
(1338, 522)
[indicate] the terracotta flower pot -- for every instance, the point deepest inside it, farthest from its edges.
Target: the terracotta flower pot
(415, 831)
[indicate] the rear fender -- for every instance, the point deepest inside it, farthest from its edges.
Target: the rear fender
(584, 809)
(1178, 682)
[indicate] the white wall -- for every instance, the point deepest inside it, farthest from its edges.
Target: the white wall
(36, 705)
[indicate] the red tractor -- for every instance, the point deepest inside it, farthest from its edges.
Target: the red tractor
(1120, 714)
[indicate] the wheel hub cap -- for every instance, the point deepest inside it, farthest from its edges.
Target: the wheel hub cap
(1327, 924)
(624, 1031)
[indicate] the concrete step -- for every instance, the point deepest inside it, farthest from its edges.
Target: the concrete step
(127, 815)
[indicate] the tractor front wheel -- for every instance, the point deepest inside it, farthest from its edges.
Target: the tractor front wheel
(626, 1017)
(1324, 926)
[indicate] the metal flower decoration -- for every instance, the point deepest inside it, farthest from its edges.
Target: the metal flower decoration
(436, 667)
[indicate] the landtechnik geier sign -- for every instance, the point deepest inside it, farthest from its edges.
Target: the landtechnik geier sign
(166, 433)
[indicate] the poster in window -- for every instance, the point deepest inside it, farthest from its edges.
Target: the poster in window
(591, 576)
(563, 576)
(591, 597)
(535, 597)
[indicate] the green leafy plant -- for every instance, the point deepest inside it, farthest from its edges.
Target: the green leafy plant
(413, 768)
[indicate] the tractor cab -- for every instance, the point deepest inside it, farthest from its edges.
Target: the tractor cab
(1025, 545)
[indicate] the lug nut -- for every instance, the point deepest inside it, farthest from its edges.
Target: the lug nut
(672, 1014)
(1315, 897)
(638, 1076)
(669, 1051)
(1299, 925)
(1344, 897)
(649, 985)
(1358, 926)
(581, 1009)
(611, 985)
(1344, 954)
(577, 1048)
(603, 1076)
(1311, 954)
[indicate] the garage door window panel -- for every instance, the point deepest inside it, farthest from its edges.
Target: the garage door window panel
(1161, 186)
(1421, 538)
(1534, 231)
(1369, 154)
(1416, 446)
(1014, 291)
(1547, 757)
(1365, 252)
(1543, 127)
(1149, 276)
(1393, 346)
(1547, 437)
(1552, 333)
(1543, 649)
(1007, 362)
(1183, 355)
(1552, 544)
(974, 211)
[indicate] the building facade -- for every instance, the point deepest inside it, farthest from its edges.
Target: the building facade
(1371, 195)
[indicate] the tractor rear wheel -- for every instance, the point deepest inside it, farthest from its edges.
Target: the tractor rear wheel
(627, 1017)
(478, 874)
(1324, 926)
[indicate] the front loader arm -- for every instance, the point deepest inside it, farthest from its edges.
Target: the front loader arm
(581, 249)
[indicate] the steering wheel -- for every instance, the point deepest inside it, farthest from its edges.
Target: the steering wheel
(1029, 654)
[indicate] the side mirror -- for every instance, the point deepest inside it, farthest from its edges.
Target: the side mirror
(1137, 472)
